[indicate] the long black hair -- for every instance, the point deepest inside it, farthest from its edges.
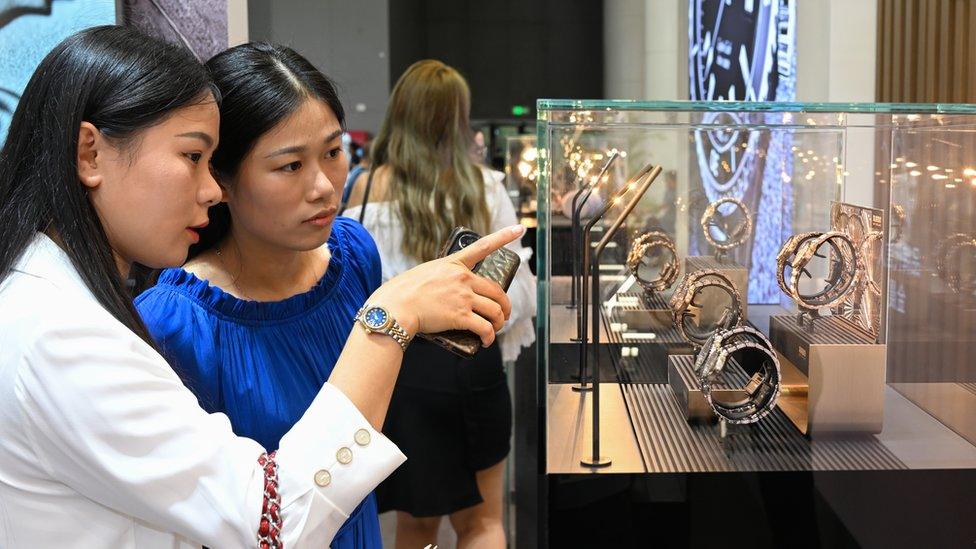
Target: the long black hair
(119, 80)
(260, 84)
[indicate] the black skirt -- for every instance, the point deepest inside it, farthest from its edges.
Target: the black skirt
(451, 417)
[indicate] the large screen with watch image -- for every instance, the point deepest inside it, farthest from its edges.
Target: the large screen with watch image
(744, 50)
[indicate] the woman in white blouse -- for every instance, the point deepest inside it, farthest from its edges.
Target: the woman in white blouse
(423, 184)
(101, 445)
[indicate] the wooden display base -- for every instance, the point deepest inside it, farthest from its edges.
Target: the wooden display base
(738, 274)
(843, 370)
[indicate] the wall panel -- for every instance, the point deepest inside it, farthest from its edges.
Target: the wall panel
(926, 51)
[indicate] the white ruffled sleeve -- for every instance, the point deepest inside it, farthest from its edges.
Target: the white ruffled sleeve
(108, 417)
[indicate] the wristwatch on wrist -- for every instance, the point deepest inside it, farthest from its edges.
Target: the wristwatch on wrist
(377, 320)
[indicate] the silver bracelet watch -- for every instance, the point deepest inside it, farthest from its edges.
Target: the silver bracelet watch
(642, 249)
(755, 356)
(712, 224)
(377, 320)
(842, 279)
(685, 306)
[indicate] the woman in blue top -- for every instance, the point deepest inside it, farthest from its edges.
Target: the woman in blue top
(255, 320)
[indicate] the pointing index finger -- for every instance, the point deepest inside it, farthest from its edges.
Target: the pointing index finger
(485, 245)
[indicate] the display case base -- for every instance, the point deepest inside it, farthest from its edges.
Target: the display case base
(637, 311)
(738, 274)
(843, 371)
(642, 339)
(601, 461)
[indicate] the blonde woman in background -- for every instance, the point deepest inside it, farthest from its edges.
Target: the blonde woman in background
(455, 412)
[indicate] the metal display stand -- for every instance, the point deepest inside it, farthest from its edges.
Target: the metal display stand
(843, 368)
(647, 176)
(581, 312)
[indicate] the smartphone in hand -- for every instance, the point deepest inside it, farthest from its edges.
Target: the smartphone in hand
(500, 266)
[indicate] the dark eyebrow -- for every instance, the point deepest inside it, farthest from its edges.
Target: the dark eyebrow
(301, 148)
(199, 135)
(287, 150)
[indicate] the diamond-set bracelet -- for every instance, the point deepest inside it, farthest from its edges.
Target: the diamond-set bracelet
(711, 362)
(683, 300)
(640, 249)
(737, 237)
(799, 250)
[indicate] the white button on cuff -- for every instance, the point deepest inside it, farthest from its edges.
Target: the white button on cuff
(323, 478)
(362, 437)
(344, 455)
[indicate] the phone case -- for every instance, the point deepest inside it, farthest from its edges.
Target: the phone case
(500, 266)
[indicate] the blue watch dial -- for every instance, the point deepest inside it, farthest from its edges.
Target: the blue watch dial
(376, 317)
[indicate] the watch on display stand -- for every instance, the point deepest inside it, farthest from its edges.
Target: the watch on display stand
(585, 264)
(690, 305)
(654, 249)
(951, 264)
(639, 185)
(704, 304)
(837, 357)
(721, 230)
(793, 269)
(744, 353)
(726, 225)
(653, 267)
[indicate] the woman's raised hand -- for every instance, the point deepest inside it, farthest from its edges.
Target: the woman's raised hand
(444, 294)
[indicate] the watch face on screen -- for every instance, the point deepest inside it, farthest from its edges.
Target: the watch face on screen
(732, 57)
(733, 49)
(744, 50)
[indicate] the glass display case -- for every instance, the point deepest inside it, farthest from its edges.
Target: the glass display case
(522, 175)
(758, 288)
(496, 135)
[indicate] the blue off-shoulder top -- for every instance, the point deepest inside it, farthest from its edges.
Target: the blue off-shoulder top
(262, 363)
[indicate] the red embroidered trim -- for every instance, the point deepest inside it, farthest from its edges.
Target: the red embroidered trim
(269, 532)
